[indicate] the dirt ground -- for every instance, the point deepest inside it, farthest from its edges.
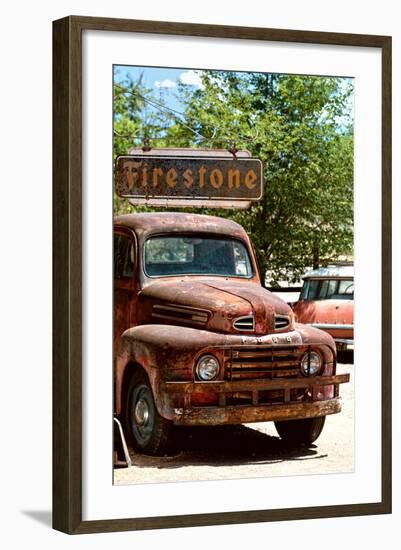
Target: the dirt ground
(250, 450)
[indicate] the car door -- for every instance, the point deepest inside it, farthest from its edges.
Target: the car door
(125, 281)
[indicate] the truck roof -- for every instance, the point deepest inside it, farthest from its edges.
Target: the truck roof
(167, 222)
(335, 271)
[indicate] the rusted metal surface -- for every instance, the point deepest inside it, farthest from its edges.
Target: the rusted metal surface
(254, 385)
(169, 353)
(185, 177)
(219, 303)
(193, 178)
(334, 316)
(238, 395)
(170, 322)
(212, 416)
(125, 292)
(155, 223)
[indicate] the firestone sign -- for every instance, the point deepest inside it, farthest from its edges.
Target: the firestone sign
(189, 177)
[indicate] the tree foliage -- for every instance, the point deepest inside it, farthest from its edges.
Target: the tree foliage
(300, 127)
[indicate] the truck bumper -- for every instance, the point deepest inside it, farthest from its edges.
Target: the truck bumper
(239, 414)
(256, 410)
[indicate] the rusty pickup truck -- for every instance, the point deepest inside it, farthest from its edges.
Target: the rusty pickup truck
(199, 341)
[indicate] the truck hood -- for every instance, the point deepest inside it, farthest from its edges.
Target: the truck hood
(214, 305)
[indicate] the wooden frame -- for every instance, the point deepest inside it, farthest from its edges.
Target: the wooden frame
(67, 316)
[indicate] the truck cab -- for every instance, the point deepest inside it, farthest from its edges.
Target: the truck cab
(199, 341)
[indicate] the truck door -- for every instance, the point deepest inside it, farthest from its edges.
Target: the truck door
(125, 281)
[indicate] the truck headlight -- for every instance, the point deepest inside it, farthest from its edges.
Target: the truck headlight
(207, 368)
(311, 363)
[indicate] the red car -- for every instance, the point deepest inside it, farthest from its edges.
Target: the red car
(326, 302)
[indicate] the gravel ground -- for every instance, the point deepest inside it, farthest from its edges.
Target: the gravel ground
(249, 451)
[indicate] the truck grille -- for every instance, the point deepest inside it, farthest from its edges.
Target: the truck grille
(262, 363)
(244, 323)
(181, 314)
(281, 321)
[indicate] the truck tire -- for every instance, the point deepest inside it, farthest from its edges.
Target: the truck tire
(147, 430)
(300, 432)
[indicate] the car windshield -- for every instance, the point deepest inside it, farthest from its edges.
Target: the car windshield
(328, 289)
(197, 255)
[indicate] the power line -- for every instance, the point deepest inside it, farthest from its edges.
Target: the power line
(162, 107)
(178, 115)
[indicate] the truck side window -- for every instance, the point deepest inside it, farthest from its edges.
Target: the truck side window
(309, 289)
(345, 289)
(243, 265)
(123, 256)
(327, 288)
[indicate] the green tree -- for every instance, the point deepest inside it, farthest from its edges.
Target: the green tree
(135, 119)
(301, 128)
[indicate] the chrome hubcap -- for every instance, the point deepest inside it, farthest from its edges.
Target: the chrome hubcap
(141, 412)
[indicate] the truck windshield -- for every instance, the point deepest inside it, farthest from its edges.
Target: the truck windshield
(186, 255)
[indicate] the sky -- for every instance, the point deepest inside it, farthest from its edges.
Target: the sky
(163, 84)
(162, 81)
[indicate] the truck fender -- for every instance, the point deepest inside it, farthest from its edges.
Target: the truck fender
(158, 349)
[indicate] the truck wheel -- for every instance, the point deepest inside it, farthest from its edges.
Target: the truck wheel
(147, 429)
(300, 432)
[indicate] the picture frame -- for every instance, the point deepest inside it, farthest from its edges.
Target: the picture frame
(67, 274)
